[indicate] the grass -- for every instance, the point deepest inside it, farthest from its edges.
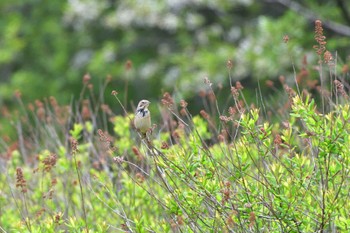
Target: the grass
(280, 167)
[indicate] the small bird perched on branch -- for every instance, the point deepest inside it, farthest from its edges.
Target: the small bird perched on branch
(142, 119)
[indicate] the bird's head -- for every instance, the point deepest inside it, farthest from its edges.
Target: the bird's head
(143, 104)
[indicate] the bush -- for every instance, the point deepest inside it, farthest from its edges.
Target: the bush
(240, 169)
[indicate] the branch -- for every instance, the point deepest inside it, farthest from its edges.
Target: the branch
(311, 16)
(344, 10)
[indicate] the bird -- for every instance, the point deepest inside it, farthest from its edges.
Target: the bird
(142, 120)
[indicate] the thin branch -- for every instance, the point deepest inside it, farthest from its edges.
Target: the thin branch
(344, 10)
(338, 28)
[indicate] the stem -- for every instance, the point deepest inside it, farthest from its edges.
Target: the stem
(81, 192)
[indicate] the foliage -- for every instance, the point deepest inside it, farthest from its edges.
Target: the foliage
(169, 44)
(239, 174)
(236, 166)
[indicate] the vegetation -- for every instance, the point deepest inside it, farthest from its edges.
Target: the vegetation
(48, 44)
(237, 166)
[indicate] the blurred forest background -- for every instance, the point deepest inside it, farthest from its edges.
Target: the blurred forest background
(148, 47)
